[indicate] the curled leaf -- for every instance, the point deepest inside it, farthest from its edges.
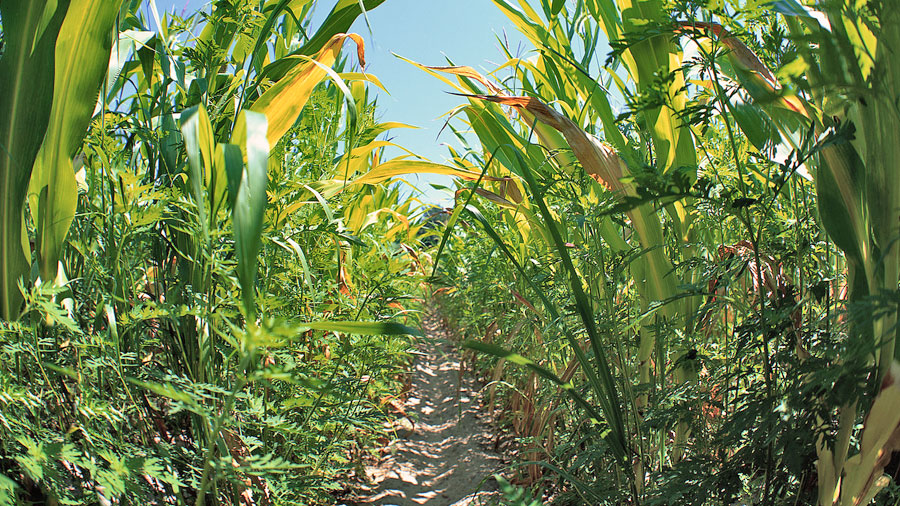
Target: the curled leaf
(469, 72)
(757, 78)
(599, 160)
(493, 197)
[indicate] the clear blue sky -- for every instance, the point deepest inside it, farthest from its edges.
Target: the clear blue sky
(426, 31)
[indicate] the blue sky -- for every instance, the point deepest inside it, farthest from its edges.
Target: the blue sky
(426, 31)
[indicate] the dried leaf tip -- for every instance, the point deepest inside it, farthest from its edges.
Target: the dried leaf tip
(360, 46)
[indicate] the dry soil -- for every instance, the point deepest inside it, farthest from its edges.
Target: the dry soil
(443, 456)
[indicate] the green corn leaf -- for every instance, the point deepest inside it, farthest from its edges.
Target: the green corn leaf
(603, 383)
(200, 146)
(842, 206)
(231, 158)
(272, 14)
(557, 6)
(130, 42)
(82, 54)
(250, 201)
(304, 264)
(26, 98)
(755, 124)
(339, 20)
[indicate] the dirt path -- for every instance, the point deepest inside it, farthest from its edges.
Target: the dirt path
(445, 460)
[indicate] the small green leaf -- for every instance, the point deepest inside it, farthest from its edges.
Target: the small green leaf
(557, 6)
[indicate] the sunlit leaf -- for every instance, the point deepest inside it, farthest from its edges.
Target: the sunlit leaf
(250, 201)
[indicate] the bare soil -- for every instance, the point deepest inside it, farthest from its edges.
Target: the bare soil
(443, 456)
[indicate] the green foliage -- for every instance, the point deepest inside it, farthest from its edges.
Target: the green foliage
(514, 496)
(220, 332)
(678, 260)
(53, 60)
(706, 268)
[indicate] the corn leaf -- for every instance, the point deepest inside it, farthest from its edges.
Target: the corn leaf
(26, 99)
(200, 146)
(250, 202)
(82, 51)
(339, 20)
(365, 328)
(393, 168)
(283, 102)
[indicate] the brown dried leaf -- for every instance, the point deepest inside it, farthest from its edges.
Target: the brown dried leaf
(239, 453)
(743, 56)
(599, 160)
(493, 197)
(469, 72)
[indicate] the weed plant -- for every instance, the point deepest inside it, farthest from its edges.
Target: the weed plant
(192, 352)
(667, 264)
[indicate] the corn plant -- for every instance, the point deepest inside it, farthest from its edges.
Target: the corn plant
(849, 76)
(54, 58)
(673, 153)
(176, 372)
(650, 167)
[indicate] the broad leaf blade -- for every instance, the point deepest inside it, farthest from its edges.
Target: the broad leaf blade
(339, 20)
(283, 102)
(250, 201)
(82, 53)
(26, 98)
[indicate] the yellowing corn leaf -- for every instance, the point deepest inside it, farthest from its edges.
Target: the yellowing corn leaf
(470, 73)
(825, 471)
(361, 156)
(362, 76)
(434, 72)
(397, 167)
(879, 439)
(600, 161)
(283, 102)
(603, 163)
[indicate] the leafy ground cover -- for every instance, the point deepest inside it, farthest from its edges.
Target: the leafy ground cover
(675, 262)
